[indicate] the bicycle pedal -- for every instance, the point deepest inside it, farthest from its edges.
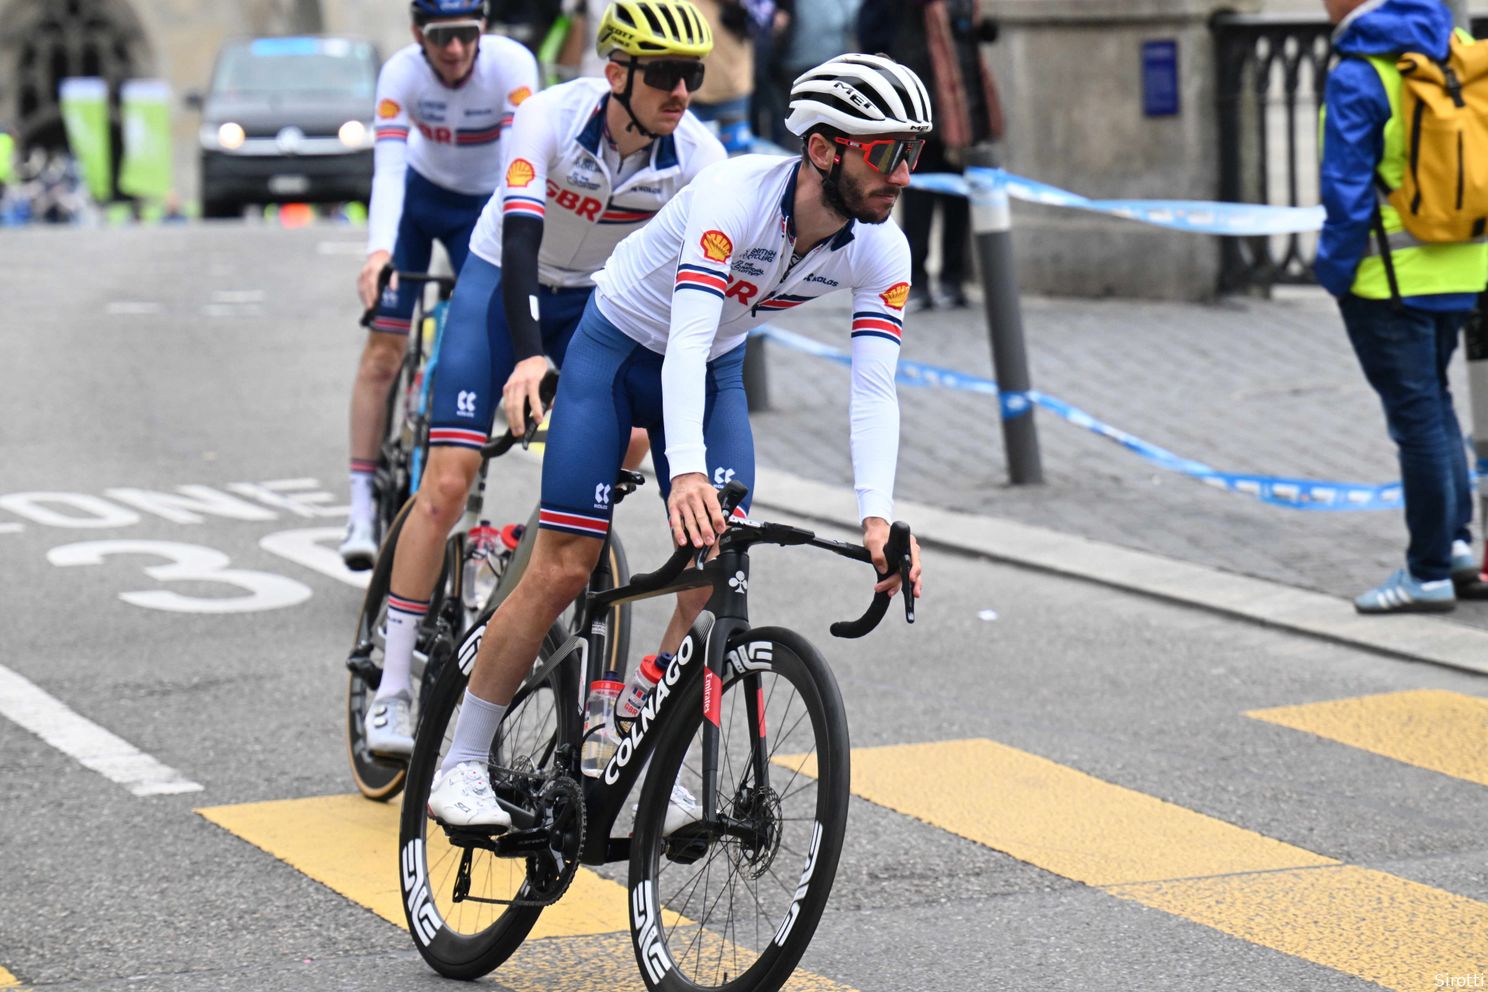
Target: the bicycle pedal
(685, 848)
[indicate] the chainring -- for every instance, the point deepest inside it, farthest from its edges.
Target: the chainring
(550, 872)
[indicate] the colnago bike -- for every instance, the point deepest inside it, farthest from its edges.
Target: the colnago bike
(748, 718)
(400, 457)
(480, 566)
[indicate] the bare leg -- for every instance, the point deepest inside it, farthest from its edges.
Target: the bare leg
(379, 364)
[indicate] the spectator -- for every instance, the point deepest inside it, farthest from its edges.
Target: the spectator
(723, 99)
(578, 56)
(767, 108)
(819, 30)
(1403, 306)
(941, 41)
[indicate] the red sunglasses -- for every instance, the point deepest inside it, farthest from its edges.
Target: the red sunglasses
(884, 154)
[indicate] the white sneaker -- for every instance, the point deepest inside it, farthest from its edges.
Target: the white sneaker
(359, 547)
(683, 810)
(388, 727)
(462, 797)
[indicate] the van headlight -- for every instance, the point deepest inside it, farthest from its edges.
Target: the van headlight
(229, 136)
(353, 134)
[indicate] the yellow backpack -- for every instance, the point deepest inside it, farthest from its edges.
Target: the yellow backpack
(1444, 107)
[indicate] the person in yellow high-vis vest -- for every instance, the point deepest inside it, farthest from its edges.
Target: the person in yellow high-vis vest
(7, 158)
(1404, 341)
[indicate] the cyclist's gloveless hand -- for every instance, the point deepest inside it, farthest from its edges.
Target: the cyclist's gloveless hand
(875, 536)
(693, 511)
(522, 390)
(367, 278)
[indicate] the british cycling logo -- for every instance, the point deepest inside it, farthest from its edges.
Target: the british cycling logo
(519, 173)
(432, 110)
(602, 496)
(716, 246)
(766, 255)
(465, 403)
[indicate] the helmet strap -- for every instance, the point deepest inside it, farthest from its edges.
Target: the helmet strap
(624, 100)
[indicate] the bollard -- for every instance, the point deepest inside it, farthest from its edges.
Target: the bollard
(756, 382)
(992, 226)
(1475, 338)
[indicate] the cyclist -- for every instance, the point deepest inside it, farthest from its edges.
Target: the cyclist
(443, 104)
(589, 162)
(662, 345)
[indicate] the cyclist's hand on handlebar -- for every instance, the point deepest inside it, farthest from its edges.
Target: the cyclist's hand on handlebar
(875, 536)
(521, 393)
(367, 278)
(693, 511)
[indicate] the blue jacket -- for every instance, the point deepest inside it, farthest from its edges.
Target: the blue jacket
(1353, 133)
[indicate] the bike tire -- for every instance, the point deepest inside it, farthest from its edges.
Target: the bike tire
(470, 939)
(375, 779)
(394, 458)
(688, 934)
(620, 613)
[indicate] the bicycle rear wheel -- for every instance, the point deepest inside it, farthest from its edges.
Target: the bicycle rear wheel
(733, 906)
(375, 779)
(392, 481)
(458, 935)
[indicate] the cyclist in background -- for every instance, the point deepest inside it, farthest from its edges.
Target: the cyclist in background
(443, 104)
(588, 162)
(661, 345)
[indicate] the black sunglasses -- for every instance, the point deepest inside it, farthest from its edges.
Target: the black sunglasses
(465, 32)
(665, 74)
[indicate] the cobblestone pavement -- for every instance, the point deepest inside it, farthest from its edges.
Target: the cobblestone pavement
(1244, 385)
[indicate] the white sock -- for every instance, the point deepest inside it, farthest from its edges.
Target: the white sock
(475, 729)
(363, 501)
(403, 619)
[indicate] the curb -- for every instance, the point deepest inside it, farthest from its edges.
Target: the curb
(1271, 604)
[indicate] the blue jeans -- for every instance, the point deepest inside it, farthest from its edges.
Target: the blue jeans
(1405, 354)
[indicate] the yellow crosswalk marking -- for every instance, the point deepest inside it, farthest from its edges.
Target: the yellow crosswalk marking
(1444, 731)
(7, 980)
(349, 844)
(1384, 929)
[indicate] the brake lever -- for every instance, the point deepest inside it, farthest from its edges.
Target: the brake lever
(896, 554)
(384, 276)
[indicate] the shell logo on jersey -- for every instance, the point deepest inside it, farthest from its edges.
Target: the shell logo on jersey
(896, 295)
(388, 108)
(717, 247)
(519, 173)
(516, 96)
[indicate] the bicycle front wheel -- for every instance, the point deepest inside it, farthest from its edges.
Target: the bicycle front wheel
(375, 779)
(732, 905)
(457, 928)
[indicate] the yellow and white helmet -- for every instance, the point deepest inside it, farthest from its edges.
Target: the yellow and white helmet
(654, 27)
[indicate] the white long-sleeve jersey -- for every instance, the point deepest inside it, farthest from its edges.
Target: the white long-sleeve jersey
(450, 136)
(558, 171)
(716, 262)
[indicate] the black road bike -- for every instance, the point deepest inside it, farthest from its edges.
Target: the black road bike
(748, 718)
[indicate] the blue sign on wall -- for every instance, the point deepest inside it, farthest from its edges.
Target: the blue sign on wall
(1160, 78)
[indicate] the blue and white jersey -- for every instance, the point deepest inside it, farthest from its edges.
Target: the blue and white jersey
(718, 261)
(562, 169)
(451, 136)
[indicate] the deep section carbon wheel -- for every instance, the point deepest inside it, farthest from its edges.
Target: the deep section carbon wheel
(469, 907)
(733, 903)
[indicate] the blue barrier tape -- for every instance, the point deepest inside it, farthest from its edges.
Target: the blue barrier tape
(1296, 494)
(1199, 216)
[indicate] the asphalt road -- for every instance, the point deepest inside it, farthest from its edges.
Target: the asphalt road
(1093, 799)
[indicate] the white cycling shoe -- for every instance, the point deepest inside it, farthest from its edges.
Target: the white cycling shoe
(683, 810)
(359, 547)
(462, 797)
(388, 727)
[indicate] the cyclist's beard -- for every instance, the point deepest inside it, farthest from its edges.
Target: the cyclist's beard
(850, 199)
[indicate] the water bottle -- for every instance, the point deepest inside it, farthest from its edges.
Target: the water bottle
(482, 548)
(600, 739)
(642, 681)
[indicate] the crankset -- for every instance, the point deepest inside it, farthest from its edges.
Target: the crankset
(551, 846)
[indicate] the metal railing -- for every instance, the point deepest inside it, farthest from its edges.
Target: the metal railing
(1271, 74)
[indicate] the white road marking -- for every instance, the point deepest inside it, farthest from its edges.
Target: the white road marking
(315, 548)
(132, 308)
(11, 528)
(85, 741)
(341, 247)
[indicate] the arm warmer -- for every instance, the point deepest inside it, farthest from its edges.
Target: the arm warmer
(521, 238)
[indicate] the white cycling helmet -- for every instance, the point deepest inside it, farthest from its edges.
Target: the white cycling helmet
(859, 94)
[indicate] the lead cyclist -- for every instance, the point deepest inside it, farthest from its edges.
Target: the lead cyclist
(661, 345)
(588, 162)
